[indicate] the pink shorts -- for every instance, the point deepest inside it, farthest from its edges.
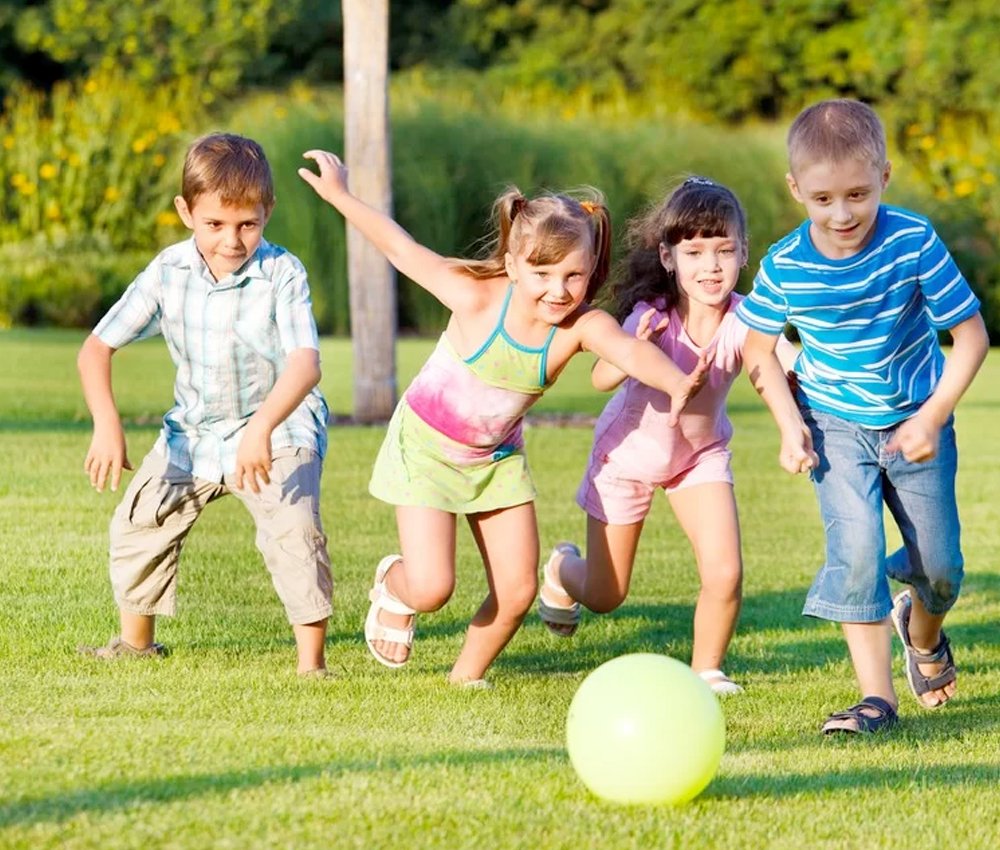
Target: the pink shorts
(615, 496)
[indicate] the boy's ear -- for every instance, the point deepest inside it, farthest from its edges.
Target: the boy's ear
(886, 173)
(793, 187)
(666, 258)
(184, 212)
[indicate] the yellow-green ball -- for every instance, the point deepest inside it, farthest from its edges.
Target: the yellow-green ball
(645, 728)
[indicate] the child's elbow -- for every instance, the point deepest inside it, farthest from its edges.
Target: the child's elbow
(92, 350)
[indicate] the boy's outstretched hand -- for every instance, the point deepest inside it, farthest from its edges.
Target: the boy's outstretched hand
(331, 182)
(689, 387)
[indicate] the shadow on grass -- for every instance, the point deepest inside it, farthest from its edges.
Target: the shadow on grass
(643, 627)
(635, 627)
(116, 796)
(850, 781)
(656, 628)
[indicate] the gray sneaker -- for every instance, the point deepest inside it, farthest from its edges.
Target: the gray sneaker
(117, 648)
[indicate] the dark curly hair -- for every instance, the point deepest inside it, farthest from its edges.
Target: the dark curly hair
(697, 207)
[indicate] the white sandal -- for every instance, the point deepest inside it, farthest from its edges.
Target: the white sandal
(558, 615)
(382, 600)
(720, 683)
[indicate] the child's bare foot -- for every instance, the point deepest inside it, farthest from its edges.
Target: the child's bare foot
(559, 611)
(931, 672)
(389, 624)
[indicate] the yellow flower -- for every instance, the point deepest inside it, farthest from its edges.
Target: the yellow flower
(159, 160)
(90, 86)
(138, 146)
(168, 124)
(988, 178)
(927, 142)
(47, 171)
(111, 194)
(8, 142)
(17, 180)
(52, 211)
(166, 218)
(964, 188)
(74, 159)
(27, 188)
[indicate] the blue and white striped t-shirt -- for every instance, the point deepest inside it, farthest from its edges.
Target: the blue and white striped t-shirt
(868, 323)
(229, 341)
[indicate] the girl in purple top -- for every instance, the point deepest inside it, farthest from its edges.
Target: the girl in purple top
(677, 288)
(454, 445)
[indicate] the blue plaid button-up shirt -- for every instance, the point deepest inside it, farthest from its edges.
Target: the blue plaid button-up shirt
(229, 341)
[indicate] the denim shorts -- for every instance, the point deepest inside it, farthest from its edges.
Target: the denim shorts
(856, 476)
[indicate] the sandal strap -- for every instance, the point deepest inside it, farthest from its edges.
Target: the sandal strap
(387, 602)
(391, 634)
(942, 652)
(885, 717)
(549, 582)
(558, 614)
(939, 653)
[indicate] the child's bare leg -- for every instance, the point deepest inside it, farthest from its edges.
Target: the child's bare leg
(137, 630)
(925, 635)
(870, 645)
(707, 513)
(425, 577)
(310, 640)
(601, 580)
(508, 543)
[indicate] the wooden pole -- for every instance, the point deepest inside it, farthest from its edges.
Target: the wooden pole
(371, 279)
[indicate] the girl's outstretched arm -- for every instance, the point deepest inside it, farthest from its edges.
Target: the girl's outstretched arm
(606, 377)
(422, 265)
(642, 360)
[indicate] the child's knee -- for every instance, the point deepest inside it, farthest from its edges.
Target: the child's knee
(724, 582)
(608, 601)
(430, 593)
(519, 599)
(942, 592)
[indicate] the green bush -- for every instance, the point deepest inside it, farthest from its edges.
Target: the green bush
(97, 156)
(450, 163)
(64, 283)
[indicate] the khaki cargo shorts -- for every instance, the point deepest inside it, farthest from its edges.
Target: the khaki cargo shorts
(162, 503)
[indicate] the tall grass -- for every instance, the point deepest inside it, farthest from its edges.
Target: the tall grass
(450, 163)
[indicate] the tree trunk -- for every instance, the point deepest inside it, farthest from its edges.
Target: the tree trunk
(371, 279)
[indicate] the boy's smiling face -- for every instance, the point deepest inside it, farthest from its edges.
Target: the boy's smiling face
(226, 235)
(842, 200)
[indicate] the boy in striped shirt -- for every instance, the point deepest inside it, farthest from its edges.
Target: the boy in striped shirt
(868, 287)
(247, 419)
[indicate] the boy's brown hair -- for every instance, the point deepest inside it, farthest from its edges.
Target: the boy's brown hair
(233, 166)
(835, 130)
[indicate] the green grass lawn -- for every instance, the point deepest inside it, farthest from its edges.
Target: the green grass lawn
(221, 745)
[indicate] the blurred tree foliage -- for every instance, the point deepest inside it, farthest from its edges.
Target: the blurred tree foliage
(221, 44)
(734, 60)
